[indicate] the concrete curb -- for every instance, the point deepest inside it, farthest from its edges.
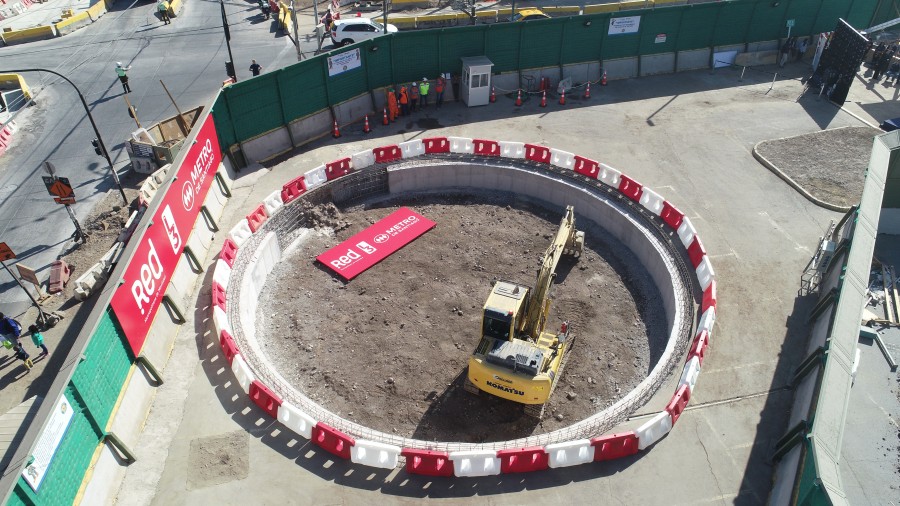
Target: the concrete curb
(787, 179)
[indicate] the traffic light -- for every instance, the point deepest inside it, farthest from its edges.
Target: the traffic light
(96, 145)
(229, 69)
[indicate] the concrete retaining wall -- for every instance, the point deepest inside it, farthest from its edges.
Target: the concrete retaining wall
(621, 69)
(663, 63)
(693, 59)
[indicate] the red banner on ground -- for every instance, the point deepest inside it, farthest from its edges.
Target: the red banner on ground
(148, 274)
(365, 249)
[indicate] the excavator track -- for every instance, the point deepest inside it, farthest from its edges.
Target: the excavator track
(537, 410)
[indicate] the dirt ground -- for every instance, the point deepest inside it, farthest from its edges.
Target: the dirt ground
(830, 165)
(389, 349)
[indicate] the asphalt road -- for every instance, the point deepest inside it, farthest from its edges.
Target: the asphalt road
(188, 55)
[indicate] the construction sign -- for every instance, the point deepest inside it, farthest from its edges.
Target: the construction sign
(6, 253)
(60, 188)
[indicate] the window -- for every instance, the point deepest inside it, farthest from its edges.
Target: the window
(480, 80)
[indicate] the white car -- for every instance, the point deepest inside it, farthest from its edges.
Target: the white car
(352, 30)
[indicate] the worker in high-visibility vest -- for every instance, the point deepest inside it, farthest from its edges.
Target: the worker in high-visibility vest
(424, 88)
(439, 91)
(393, 110)
(414, 97)
(404, 100)
(163, 7)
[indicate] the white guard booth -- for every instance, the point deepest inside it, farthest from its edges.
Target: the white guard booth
(476, 81)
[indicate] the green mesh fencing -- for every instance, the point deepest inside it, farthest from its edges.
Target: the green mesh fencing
(222, 119)
(456, 44)
(541, 43)
(583, 37)
(301, 87)
(694, 31)
(502, 46)
(349, 83)
(732, 26)
(664, 22)
(255, 105)
(415, 54)
(378, 62)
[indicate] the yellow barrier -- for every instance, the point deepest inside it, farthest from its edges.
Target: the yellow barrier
(568, 9)
(81, 16)
(485, 14)
(46, 31)
(633, 4)
(438, 17)
(174, 5)
(664, 2)
(402, 20)
(505, 12)
(96, 10)
(18, 82)
(597, 9)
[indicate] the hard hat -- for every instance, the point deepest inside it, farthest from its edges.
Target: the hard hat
(424, 78)
(415, 84)
(118, 64)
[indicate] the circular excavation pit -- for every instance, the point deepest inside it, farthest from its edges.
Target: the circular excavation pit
(384, 356)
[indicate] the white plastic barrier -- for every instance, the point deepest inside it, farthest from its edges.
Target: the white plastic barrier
(686, 232)
(461, 145)
(473, 463)
(220, 322)
(705, 273)
(610, 175)
(243, 373)
(654, 429)
(570, 453)
(159, 177)
(374, 454)
(240, 233)
(562, 159)
(222, 273)
(410, 149)
(707, 320)
(267, 254)
(690, 373)
(362, 159)
(296, 420)
(315, 177)
(652, 201)
(512, 149)
(273, 203)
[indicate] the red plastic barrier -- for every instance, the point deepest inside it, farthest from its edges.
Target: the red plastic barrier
(337, 168)
(436, 145)
(614, 446)
(671, 215)
(427, 462)
(229, 347)
(266, 399)
(218, 296)
(679, 402)
(696, 251)
(537, 153)
(332, 440)
(229, 252)
(486, 148)
(386, 154)
(709, 297)
(630, 188)
(293, 189)
(257, 218)
(698, 347)
(523, 460)
(587, 167)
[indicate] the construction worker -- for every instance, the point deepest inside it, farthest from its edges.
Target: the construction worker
(414, 97)
(439, 91)
(123, 76)
(163, 7)
(393, 110)
(404, 101)
(424, 88)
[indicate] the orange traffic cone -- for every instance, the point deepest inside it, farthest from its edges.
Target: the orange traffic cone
(562, 98)
(336, 133)
(366, 128)
(493, 95)
(587, 91)
(358, 14)
(603, 79)
(544, 99)
(519, 98)
(385, 120)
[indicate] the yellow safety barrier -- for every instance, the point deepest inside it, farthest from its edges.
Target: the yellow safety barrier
(505, 12)
(174, 5)
(568, 9)
(485, 14)
(667, 3)
(438, 17)
(402, 20)
(96, 10)
(18, 82)
(634, 4)
(597, 9)
(46, 31)
(81, 16)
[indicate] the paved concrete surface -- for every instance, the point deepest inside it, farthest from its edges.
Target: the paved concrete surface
(688, 136)
(46, 13)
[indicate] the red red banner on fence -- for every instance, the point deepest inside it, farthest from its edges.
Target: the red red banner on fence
(147, 276)
(365, 249)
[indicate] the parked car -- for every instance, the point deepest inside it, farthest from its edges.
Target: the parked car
(353, 30)
(529, 14)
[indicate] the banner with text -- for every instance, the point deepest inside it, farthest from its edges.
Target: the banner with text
(147, 276)
(343, 62)
(625, 25)
(47, 443)
(365, 249)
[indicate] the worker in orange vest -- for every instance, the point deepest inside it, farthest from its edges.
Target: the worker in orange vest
(439, 90)
(404, 100)
(393, 110)
(414, 97)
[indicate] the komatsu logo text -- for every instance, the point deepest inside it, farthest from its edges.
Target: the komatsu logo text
(506, 389)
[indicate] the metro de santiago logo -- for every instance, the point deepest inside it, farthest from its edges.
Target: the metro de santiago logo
(171, 229)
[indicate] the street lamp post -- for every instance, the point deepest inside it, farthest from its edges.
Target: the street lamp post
(228, 40)
(93, 124)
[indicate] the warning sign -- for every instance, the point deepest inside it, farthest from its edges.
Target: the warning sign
(60, 188)
(365, 249)
(6, 253)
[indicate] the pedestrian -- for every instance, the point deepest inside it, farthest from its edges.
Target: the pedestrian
(122, 72)
(439, 91)
(404, 101)
(10, 329)
(255, 68)
(393, 110)
(801, 49)
(454, 81)
(424, 88)
(38, 339)
(163, 7)
(881, 65)
(785, 53)
(414, 97)
(23, 355)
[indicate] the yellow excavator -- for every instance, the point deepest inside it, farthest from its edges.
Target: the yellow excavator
(516, 359)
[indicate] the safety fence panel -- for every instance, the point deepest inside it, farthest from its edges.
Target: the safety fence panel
(769, 21)
(415, 55)
(502, 46)
(541, 43)
(799, 11)
(100, 375)
(664, 21)
(622, 45)
(583, 37)
(456, 44)
(378, 62)
(829, 12)
(302, 89)
(731, 24)
(255, 106)
(349, 83)
(695, 26)
(222, 119)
